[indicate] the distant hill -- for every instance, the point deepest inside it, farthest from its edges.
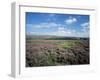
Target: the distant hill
(51, 37)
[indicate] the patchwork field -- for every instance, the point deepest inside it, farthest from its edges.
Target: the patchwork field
(53, 52)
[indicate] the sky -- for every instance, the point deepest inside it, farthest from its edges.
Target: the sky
(70, 25)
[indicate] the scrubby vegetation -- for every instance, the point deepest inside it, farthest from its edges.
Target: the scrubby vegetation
(56, 52)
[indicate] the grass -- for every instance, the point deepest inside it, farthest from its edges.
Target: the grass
(59, 43)
(68, 43)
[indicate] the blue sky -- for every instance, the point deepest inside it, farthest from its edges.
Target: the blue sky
(72, 25)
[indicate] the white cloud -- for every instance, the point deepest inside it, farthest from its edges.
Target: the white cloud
(85, 27)
(60, 30)
(44, 25)
(85, 24)
(70, 20)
